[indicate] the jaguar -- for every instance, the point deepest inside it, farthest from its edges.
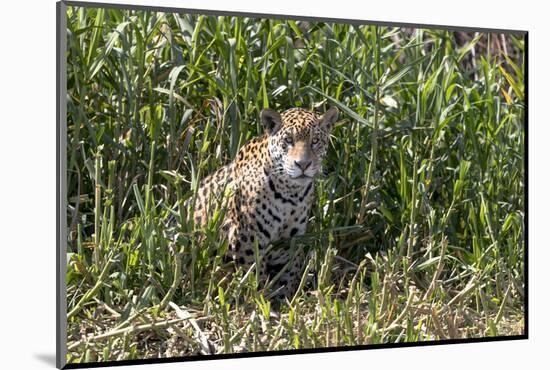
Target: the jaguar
(269, 191)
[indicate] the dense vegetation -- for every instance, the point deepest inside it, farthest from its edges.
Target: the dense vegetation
(418, 229)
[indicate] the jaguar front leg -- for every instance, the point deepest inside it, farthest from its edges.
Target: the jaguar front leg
(286, 267)
(242, 249)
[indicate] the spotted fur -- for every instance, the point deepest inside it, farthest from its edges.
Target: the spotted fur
(270, 188)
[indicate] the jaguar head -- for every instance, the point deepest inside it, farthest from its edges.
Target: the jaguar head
(298, 140)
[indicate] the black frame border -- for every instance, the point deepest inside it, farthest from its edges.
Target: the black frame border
(291, 352)
(61, 191)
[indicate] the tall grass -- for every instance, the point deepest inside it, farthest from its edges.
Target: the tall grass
(418, 228)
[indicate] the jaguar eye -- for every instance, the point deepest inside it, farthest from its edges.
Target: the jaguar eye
(314, 140)
(289, 140)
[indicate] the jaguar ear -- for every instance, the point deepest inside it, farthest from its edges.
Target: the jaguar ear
(328, 119)
(271, 120)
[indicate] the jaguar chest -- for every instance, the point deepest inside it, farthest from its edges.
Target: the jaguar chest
(281, 208)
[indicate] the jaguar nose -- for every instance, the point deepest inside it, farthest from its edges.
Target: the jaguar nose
(303, 165)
